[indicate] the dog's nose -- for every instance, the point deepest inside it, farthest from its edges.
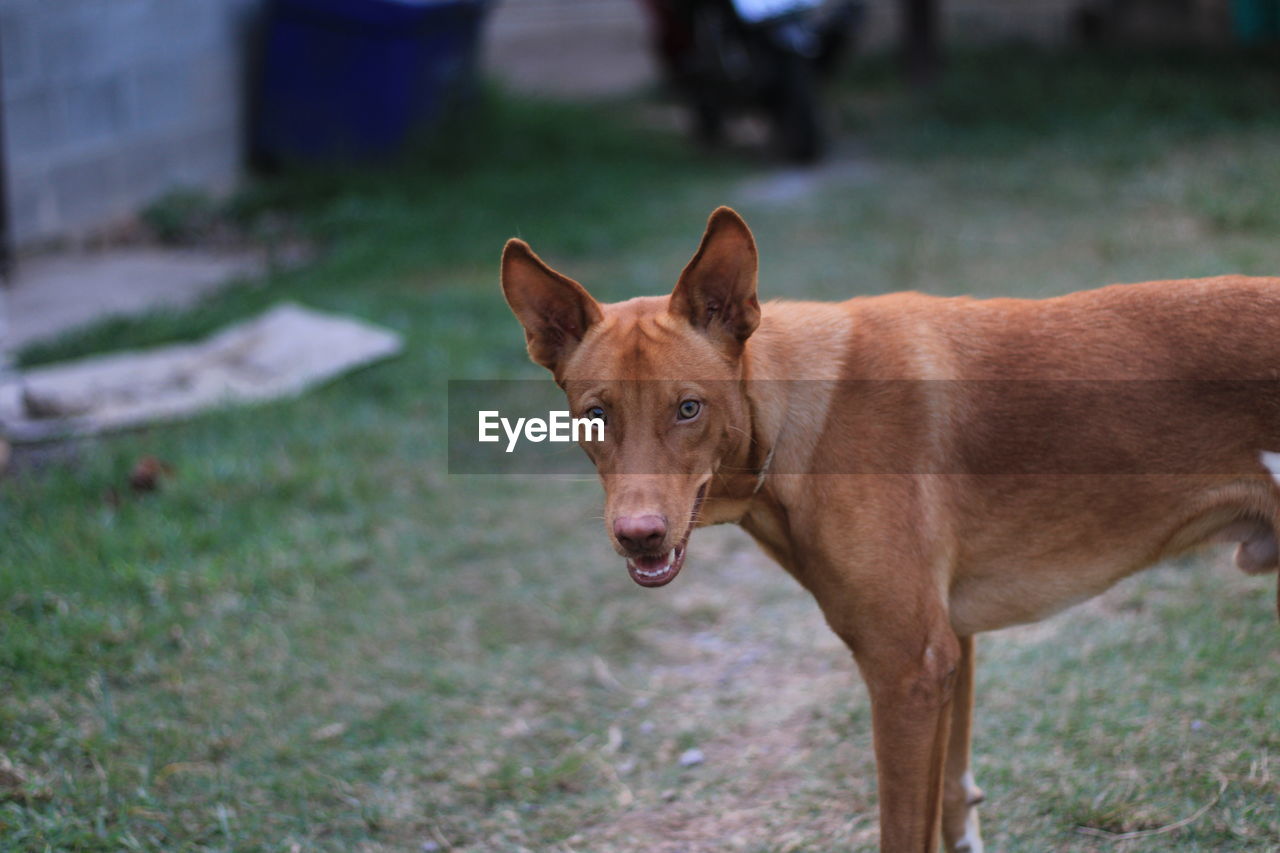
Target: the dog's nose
(640, 532)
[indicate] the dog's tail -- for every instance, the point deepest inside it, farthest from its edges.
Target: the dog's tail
(1271, 461)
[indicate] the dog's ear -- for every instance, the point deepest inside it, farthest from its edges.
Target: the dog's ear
(555, 310)
(717, 290)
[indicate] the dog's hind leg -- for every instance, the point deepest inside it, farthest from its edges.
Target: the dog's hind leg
(960, 796)
(1270, 461)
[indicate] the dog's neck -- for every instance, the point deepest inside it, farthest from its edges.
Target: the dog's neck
(786, 389)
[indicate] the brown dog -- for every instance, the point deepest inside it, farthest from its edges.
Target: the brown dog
(927, 468)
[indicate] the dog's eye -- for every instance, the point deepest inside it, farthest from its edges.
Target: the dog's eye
(596, 413)
(689, 410)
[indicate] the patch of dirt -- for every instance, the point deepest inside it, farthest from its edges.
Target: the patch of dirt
(768, 674)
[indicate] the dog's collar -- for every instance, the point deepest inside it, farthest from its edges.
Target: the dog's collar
(763, 472)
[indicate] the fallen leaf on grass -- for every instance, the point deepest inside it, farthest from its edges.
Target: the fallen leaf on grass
(15, 784)
(11, 778)
(146, 814)
(329, 732)
(183, 767)
(147, 474)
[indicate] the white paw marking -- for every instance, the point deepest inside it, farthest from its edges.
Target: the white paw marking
(972, 841)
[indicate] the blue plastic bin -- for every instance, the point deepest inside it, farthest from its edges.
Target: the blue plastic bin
(354, 79)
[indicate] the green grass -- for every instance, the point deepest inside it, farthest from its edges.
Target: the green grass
(314, 638)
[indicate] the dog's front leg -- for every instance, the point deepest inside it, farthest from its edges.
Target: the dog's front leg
(910, 663)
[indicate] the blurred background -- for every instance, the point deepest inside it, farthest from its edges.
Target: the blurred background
(286, 626)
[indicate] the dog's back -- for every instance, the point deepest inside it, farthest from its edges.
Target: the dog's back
(1070, 441)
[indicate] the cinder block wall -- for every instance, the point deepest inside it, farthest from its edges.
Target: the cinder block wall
(110, 103)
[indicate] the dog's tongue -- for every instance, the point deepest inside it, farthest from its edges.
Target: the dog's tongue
(652, 565)
(655, 570)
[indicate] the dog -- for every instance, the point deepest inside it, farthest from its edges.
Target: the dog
(928, 468)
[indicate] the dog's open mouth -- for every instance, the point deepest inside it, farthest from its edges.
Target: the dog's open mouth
(652, 570)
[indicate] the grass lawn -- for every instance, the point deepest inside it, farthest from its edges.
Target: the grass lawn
(315, 638)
